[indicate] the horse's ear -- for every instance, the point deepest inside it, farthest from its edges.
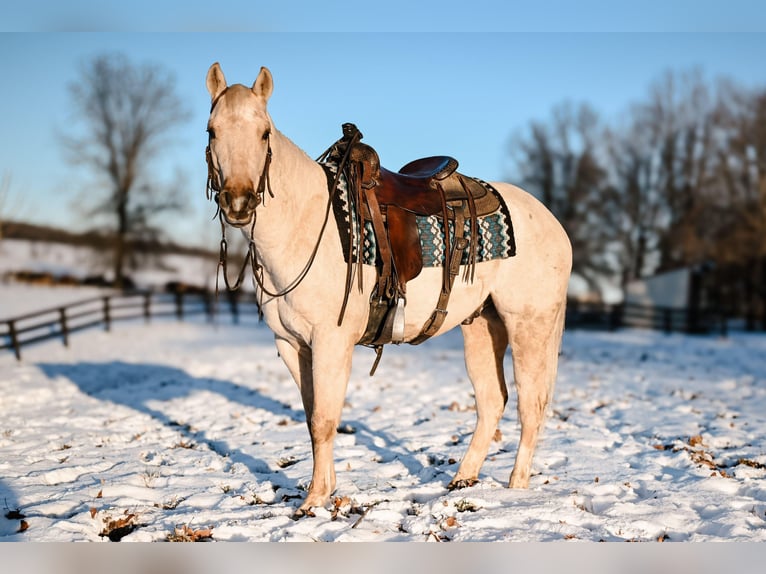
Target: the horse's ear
(216, 82)
(264, 84)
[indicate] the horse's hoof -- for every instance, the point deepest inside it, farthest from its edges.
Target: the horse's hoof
(302, 513)
(463, 483)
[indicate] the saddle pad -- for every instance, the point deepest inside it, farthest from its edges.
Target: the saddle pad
(495, 231)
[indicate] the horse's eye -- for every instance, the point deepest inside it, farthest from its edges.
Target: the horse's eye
(211, 133)
(266, 135)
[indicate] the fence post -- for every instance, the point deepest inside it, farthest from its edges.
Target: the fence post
(147, 308)
(14, 339)
(573, 308)
(64, 327)
(693, 323)
(179, 305)
(667, 320)
(233, 306)
(208, 303)
(107, 315)
(615, 317)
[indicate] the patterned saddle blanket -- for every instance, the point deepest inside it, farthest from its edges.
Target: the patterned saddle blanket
(495, 231)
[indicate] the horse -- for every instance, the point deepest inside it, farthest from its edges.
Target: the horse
(278, 197)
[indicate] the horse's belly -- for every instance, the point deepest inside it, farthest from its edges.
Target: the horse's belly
(423, 295)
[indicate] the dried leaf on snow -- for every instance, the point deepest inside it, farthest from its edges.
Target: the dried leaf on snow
(185, 533)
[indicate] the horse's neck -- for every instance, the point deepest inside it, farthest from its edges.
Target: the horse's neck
(294, 215)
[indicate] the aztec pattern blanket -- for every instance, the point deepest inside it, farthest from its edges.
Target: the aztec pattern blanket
(495, 231)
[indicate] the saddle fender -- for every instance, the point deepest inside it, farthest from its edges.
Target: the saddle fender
(405, 243)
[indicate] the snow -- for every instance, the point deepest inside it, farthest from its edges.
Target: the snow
(189, 424)
(196, 429)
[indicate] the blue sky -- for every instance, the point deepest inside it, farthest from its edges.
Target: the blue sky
(411, 93)
(388, 16)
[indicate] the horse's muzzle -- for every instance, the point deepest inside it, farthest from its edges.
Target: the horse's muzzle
(238, 208)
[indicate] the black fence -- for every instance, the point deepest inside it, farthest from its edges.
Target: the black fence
(61, 322)
(667, 319)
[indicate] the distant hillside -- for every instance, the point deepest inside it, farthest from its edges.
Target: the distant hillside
(94, 239)
(36, 254)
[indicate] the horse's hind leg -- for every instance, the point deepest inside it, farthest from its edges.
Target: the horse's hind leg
(535, 338)
(486, 341)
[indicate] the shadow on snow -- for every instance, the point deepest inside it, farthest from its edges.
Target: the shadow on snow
(137, 386)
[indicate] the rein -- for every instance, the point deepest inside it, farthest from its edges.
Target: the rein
(251, 256)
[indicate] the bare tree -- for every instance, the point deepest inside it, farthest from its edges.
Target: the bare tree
(740, 186)
(681, 182)
(127, 112)
(561, 163)
(634, 202)
(677, 135)
(12, 206)
(709, 154)
(5, 188)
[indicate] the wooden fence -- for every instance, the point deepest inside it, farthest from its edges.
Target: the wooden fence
(60, 322)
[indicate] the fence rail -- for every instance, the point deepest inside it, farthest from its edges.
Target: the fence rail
(62, 321)
(667, 319)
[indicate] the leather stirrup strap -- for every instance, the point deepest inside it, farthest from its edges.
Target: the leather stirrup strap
(473, 218)
(435, 321)
(358, 215)
(382, 240)
(446, 285)
(349, 262)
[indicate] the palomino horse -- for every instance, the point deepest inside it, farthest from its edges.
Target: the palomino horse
(301, 272)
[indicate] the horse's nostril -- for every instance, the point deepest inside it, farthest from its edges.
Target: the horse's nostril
(224, 199)
(252, 201)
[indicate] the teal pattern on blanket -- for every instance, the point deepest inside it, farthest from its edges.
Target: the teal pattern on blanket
(493, 240)
(495, 231)
(492, 243)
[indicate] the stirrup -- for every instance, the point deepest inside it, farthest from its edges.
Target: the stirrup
(397, 330)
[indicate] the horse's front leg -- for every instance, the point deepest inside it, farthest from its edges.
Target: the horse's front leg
(323, 401)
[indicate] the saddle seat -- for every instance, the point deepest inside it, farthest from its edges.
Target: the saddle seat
(455, 186)
(423, 186)
(434, 167)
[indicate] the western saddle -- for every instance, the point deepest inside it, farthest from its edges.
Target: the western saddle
(391, 202)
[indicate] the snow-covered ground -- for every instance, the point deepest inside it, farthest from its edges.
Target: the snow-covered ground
(195, 431)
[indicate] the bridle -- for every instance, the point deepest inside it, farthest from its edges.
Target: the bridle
(213, 186)
(213, 191)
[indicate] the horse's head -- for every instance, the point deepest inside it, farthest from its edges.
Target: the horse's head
(239, 148)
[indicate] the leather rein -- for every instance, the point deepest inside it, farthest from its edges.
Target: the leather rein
(213, 190)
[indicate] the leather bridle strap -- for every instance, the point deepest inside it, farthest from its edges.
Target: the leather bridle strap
(251, 256)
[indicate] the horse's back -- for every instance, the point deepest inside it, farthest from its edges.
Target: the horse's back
(536, 229)
(540, 269)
